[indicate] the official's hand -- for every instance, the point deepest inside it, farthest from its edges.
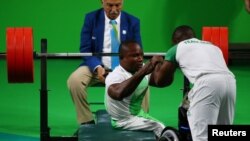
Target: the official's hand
(101, 74)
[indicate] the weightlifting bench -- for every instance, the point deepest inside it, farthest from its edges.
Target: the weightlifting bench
(103, 130)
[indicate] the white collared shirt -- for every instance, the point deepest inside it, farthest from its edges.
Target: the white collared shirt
(106, 60)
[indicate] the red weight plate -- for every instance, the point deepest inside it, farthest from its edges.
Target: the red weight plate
(215, 37)
(19, 53)
(206, 33)
(10, 47)
(28, 55)
(224, 42)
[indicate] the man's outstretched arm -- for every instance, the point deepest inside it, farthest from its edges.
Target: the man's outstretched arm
(163, 74)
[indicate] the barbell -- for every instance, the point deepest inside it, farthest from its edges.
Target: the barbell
(20, 54)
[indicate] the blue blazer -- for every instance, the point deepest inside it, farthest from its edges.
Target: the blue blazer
(93, 31)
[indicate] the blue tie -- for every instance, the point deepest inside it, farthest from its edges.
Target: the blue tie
(114, 44)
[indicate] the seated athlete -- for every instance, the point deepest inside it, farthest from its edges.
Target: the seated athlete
(125, 90)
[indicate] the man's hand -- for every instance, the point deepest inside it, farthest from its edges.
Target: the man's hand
(147, 68)
(150, 66)
(101, 73)
(156, 59)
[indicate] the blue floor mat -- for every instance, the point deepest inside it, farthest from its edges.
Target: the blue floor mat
(13, 137)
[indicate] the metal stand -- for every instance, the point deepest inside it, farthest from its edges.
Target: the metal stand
(44, 128)
(183, 125)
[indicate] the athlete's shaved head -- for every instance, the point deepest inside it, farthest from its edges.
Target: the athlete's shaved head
(181, 33)
(124, 47)
(131, 56)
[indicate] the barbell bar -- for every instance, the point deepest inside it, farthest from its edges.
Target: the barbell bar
(69, 54)
(63, 54)
(91, 54)
(20, 54)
